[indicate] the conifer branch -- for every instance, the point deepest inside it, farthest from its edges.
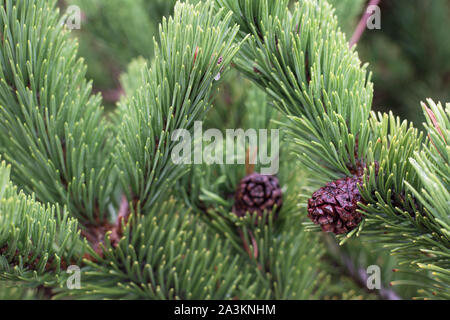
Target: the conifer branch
(303, 62)
(164, 254)
(195, 45)
(36, 242)
(52, 130)
(322, 88)
(63, 159)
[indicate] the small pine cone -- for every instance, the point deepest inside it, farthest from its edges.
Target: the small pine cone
(257, 193)
(334, 206)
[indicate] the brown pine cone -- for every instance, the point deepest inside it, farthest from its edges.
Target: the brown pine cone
(257, 193)
(334, 206)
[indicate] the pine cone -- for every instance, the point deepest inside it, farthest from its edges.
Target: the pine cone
(257, 193)
(334, 206)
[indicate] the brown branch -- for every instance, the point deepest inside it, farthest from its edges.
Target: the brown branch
(95, 234)
(250, 163)
(254, 254)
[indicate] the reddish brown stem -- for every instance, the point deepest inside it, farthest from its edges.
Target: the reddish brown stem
(95, 234)
(250, 162)
(253, 254)
(435, 122)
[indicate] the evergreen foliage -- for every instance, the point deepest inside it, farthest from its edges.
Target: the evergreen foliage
(196, 45)
(36, 241)
(78, 187)
(331, 123)
(52, 128)
(303, 62)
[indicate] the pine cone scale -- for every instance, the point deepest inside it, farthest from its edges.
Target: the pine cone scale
(257, 193)
(334, 206)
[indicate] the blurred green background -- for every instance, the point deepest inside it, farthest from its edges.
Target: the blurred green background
(410, 55)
